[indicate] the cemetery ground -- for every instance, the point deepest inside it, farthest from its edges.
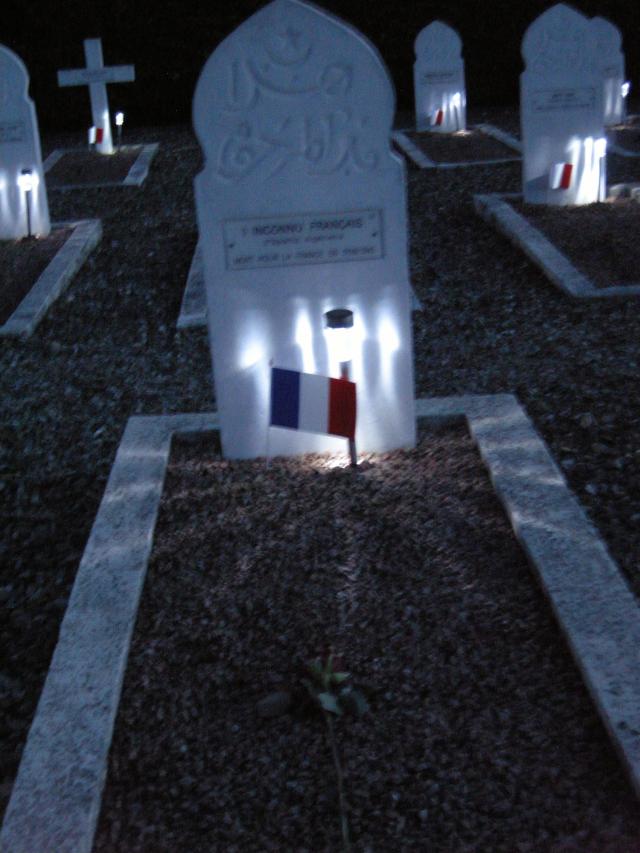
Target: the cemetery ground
(490, 323)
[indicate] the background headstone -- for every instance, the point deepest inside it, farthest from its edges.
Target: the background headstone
(96, 76)
(611, 60)
(301, 209)
(438, 80)
(19, 150)
(564, 159)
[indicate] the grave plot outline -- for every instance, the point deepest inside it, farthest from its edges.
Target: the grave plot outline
(420, 159)
(55, 802)
(495, 209)
(55, 278)
(136, 176)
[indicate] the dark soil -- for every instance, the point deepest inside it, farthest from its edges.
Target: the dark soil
(89, 167)
(21, 263)
(467, 146)
(480, 735)
(595, 237)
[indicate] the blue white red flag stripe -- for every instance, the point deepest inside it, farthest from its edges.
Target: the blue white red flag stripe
(311, 403)
(560, 178)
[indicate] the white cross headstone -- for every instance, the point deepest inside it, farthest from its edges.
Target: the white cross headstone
(96, 76)
(564, 145)
(22, 211)
(302, 209)
(610, 58)
(438, 80)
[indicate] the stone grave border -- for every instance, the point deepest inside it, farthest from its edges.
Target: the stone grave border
(496, 210)
(423, 162)
(135, 178)
(193, 308)
(56, 797)
(54, 280)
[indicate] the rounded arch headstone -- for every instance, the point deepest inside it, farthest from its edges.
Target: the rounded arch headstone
(19, 151)
(610, 59)
(563, 139)
(438, 79)
(301, 208)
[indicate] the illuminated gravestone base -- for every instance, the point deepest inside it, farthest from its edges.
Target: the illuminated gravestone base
(23, 196)
(564, 147)
(611, 62)
(302, 209)
(96, 76)
(438, 80)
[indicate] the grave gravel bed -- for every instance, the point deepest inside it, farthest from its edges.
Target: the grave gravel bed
(408, 570)
(595, 237)
(109, 348)
(81, 166)
(469, 145)
(21, 262)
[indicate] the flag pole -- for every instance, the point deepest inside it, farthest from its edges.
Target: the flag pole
(345, 373)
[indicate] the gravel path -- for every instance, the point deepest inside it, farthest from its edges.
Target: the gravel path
(109, 348)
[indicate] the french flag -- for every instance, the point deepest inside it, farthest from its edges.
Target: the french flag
(560, 177)
(436, 118)
(312, 403)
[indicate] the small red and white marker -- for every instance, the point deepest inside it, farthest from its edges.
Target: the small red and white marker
(437, 118)
(560, 177)
(99, 135)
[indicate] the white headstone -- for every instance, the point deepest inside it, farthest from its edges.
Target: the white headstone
(301, 209)
(611, 61)
(21, 211)
(438, 80)
(96, 76)
(564, 146)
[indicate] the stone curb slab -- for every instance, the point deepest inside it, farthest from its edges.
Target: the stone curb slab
(136, 176)
(55, 802)
(423, 162)
(54, 280)
(496, 210)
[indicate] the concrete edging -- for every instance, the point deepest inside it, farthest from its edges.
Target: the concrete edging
(496, 210)
(423, 162)
(193, 308)
(135, 177)
(54, 280)
(55, 802)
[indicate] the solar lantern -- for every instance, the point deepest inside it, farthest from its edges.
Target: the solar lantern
(339, 329)
(119, 123)
(27, 181)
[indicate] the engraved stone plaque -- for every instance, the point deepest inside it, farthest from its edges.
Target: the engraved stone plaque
(303, 239)
(548, 100)
(301, 209)
(438, 80)
(19, 151)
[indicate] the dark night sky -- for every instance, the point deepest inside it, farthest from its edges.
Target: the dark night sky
(169, 40)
